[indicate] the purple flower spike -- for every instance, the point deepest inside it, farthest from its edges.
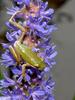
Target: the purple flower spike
(25, 80)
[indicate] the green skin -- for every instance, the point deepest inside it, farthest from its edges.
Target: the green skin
(29, 56)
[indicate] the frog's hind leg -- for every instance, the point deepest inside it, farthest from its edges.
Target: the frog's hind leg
(15, 23)
(15, 55)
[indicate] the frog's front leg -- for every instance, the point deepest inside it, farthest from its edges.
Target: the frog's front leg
(24, 68)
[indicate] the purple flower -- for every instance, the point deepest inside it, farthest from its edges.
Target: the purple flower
(7, 59)
(12, 37)
(26, 2)
(9, 25)
(31, 83)
(12, 10)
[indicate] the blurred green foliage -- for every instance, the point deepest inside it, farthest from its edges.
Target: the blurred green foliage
(74, 97)
(0, 2)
